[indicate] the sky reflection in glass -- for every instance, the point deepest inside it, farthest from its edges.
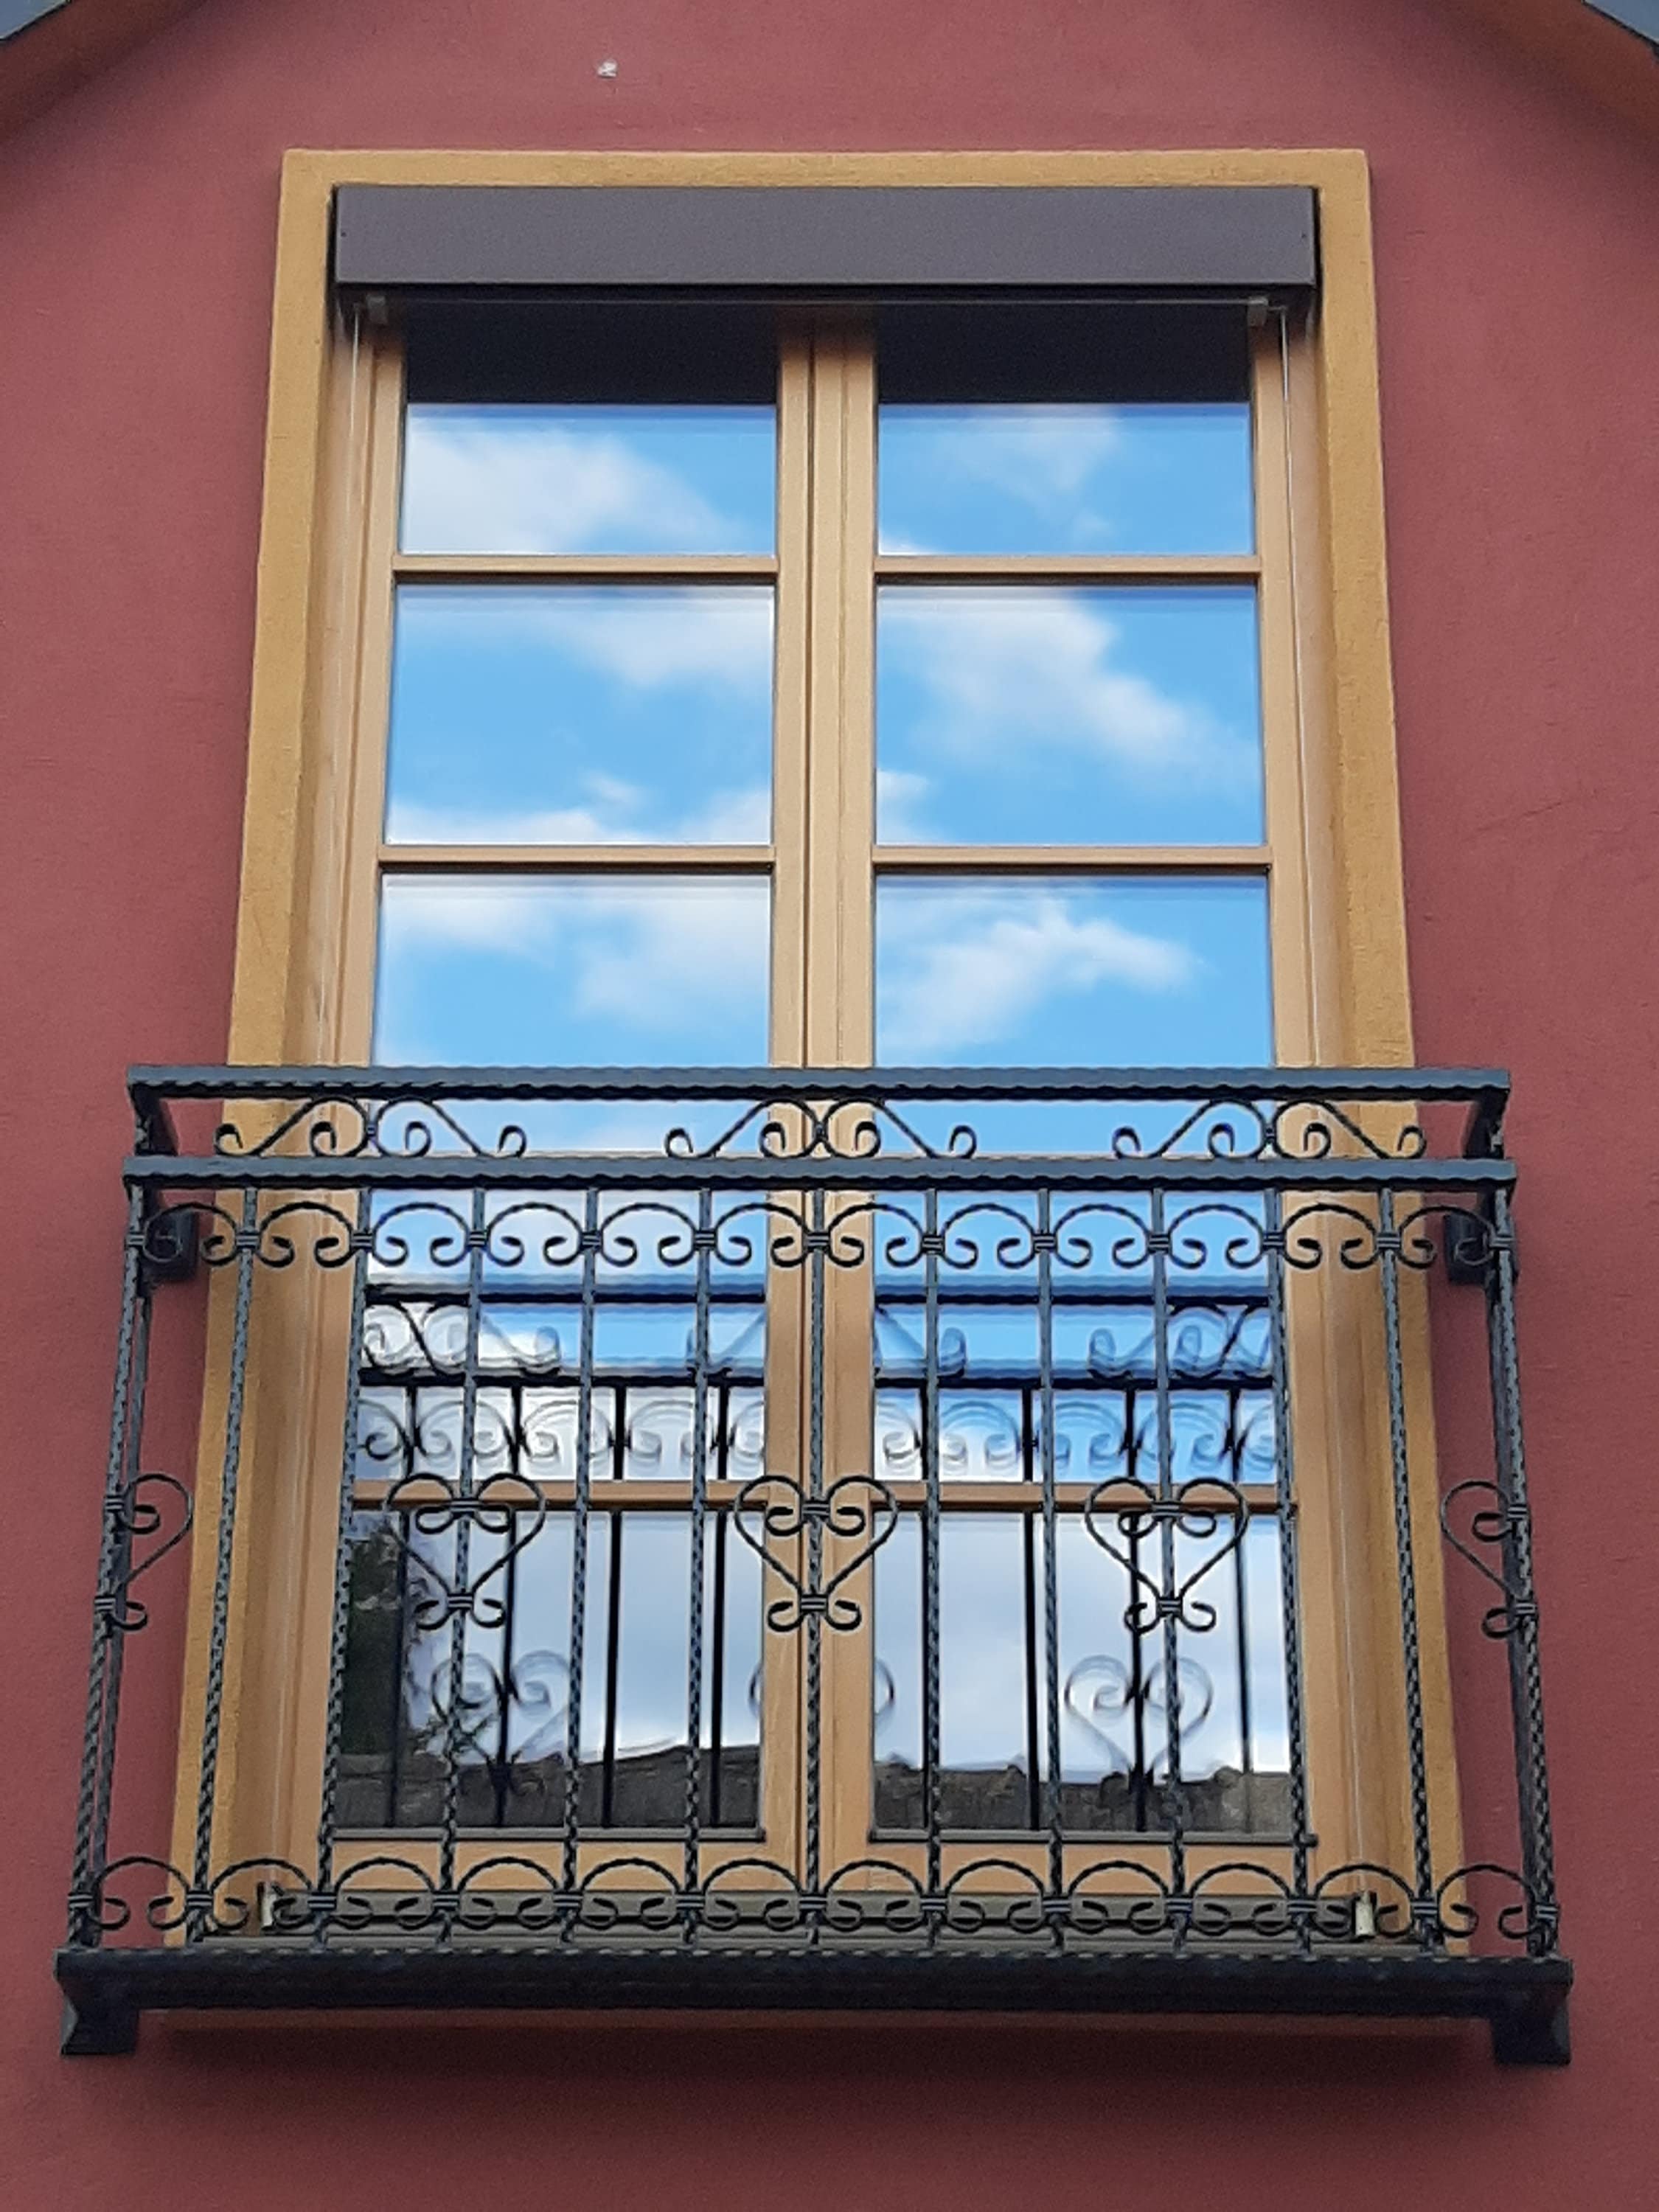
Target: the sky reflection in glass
(579, 714)
(572, 971)
(984, 1596)
(1017, 714)
(1060, 478)
(586, 479)
(651, 1660)
(1050, 972)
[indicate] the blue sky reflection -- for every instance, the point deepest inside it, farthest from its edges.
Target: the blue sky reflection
(577, 715)
(1017, 714)
(1047, 972)
(1060, 478)
(585, 479)
(576, 971)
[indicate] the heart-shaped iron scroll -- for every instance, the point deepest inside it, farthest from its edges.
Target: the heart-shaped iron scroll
(1196, 1509)
(505, 1505)
(142, 1509)
(1496, 1525)
(781, 1509)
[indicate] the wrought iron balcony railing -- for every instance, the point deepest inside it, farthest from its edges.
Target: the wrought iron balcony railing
(841, 1537)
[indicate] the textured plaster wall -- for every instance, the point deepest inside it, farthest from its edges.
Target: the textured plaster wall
(1520, 330)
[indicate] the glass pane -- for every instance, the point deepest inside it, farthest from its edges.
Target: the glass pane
(1104, 428)
(510, 1737)
(1043, 972)
(587, 479)
(1119, 1715)
(1015, 714)
(1064, 477)
(558, 715)
(985, 1775)
(570, 971)
(1116, 1711)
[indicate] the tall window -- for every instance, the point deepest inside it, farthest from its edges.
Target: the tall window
(916, 689)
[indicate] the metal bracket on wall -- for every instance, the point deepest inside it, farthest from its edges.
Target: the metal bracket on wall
(1468, 1245)
(172, 1243)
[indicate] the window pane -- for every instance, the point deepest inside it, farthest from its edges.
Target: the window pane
(980, 971)
(1109, 428)
(1013, 714)
(572, 971)
(511, 1740)
(507, 478)
(1066, 477)
(1118, 1715)
(1116, 1712)
(560, 714)
(984, 1778)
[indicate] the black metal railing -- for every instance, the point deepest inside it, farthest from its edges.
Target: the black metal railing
(824, 1537)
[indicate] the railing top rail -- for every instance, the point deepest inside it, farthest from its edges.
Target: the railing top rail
(1485, 1090)
(848, 1084)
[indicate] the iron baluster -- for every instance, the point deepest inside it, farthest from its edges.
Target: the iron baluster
(615, 1525)
(704, 1243)
(459, 1607)
(122, 1621)
(98, 1741)
(1289, 1578)
(1426, 1914)
(199, 1908)
(1235, 1458)
(817, 1241)
(1169, 1603)
(581, 1518)
(1053, 1778)
(931, 1730)
(1527, 1689)
(397, 1680)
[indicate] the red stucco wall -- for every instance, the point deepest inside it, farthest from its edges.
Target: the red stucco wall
(1519, 321)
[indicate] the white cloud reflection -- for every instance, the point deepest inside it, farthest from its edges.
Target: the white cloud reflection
(505, 702)
(677, 968)
(1017, 669)
(640, 637)
(1043, 458)
(972, 968)
(983, 1601)
(616, 813)
(902, 795)
(542, 480)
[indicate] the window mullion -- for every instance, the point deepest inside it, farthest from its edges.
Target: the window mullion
(840, 972)
(841, 748)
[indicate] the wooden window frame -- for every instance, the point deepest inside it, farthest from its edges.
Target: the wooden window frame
(312, 860)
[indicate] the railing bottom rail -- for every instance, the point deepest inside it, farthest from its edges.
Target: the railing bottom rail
(1524, 2000)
